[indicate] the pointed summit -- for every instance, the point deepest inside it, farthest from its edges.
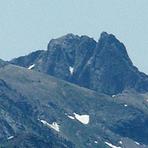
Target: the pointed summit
(109, 43)
(104, 34)
(107, 37)
(111, 70)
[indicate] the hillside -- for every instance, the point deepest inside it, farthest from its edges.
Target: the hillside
(49, 112)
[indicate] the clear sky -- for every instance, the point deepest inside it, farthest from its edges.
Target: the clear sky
(28, 25)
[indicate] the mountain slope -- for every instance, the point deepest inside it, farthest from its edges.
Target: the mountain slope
(103, 66)
(31, 102)
(26, 61)
(19, 126)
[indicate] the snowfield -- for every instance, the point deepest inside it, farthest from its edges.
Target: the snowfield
(84, 119)
(31, 66)
(111, 145)
(71, 69)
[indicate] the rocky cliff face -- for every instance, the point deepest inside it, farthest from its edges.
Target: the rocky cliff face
(110, 69)
(103, 66)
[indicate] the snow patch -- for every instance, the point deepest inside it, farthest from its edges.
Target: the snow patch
(113, 96)
(54, 125)
(96, 142)
(111, 145)
(71, 117)
(120, 142)
(125, 105)
(11, 137)
(137, 143)
(84, 119)
(71, 69)
(31, 66)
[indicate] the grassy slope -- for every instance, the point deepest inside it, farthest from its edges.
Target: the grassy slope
(43, 97)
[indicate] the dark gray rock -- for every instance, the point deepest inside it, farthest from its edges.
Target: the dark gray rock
(102, 66)
(111, 70)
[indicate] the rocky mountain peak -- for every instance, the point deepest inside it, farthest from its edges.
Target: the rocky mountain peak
(104, 35)
(109, 43)
(102, 66)
(64, 40)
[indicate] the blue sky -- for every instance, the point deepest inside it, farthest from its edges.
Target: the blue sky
(28, 25)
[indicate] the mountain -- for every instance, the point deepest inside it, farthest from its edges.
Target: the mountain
(38, 110)
(78, 93)
(103, 66)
